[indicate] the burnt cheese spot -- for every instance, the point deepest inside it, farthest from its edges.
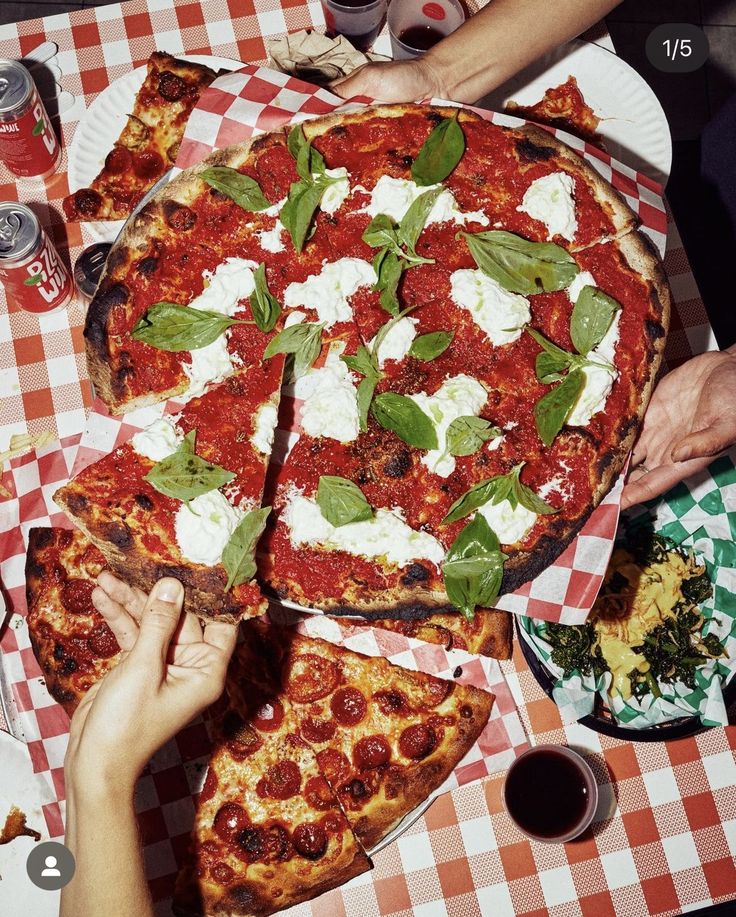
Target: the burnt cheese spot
(416, 573)
(533, 152)
(144, 502)
(147, 266)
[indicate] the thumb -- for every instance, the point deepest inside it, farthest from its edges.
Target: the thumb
(159, 621)
(709, 441)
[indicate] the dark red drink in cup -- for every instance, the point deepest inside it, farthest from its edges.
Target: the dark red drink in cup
(359, 21)
(415, 26)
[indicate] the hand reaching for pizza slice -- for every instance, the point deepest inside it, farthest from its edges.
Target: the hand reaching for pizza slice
(172, 669)
(690, 420)
(390, 81)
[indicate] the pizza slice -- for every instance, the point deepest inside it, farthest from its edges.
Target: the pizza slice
(71, 641)
(182, 498)
(565, 107)
(268, 830)
(385, 737)
(149, 143)
(489, 633)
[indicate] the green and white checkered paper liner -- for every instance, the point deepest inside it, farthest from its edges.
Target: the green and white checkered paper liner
(700, 514)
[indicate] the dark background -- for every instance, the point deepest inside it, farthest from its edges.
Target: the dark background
(690, 101)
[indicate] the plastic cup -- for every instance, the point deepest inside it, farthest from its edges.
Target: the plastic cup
(359, 22)
(423, 22)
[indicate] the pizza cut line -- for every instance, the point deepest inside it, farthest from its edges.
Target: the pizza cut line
(473, 326)
(318, 752)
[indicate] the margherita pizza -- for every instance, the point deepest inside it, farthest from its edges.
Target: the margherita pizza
(473, 320)
(149, 142)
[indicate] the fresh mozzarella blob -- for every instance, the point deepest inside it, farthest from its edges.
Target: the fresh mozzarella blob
(583, 279)
(457, 397)
(385, 536)
(157, 441)
(265, 426)
(336, 193)
(398, 340)
(598, 379)
(330, 399)
(204, 526)
(270, 239)
(327, 292)
(509, 524)
(550, 200)
(394, 196)
(501, 314)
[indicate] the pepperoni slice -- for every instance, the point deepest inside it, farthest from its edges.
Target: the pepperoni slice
(310, 840)
(222, 873)
(269, 716)
(392, 702)
(334, 823)
(317, 730)
(417, 741)
(230, 820)
(102, 641)
(243, 739)
(277, 845)
(318, 794)
(250, 844)
(148, 164)
(76, 595)
(371, 752)
(436, 690)
(209, 787)
(310, 677)
(118, 160)
(282, 781)
(348, 706)
(334, 765)
(87, 202)
(171, 87)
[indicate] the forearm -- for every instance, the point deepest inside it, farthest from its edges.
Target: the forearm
(102, 833)
(503, 38)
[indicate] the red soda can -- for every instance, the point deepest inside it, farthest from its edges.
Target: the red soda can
(31, 270)
(28, 144)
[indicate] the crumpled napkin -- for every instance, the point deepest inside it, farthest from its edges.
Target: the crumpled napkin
(316, 58)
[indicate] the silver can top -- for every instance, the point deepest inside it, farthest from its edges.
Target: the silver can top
(16, 86)
(19, 231)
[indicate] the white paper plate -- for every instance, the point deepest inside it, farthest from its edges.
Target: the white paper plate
(101, 125)
(19, 786)
(633, 125)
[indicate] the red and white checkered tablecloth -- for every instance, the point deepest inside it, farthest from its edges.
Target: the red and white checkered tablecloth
(665, 838)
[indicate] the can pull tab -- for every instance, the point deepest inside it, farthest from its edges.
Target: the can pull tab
(4, 86)
(9, 229)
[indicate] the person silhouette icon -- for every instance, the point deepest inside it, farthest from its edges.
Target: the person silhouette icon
(51, 870)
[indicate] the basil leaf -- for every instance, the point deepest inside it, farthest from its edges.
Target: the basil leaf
(414, 220)
(381, 232)
(238, 556)
(519, 265)
(364, 396)
(184, 475)
(553, 409)
(466, 435)
(428, 346)
(440, 153)
(308, 160)
(362, 362)
(592, 315)
(263, 305)
(391, 269)
(553, 361)
(406, 419)
(244, 190)
(473, 567)
(296, 214)
(477, 496)
(168, 326)
(303, 340)
(340, 501)
(526, 496)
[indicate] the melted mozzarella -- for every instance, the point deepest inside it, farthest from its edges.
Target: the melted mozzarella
(270, 239)
(327, 292)
(509, 524)
(386, 536)
(394, 196)
(204, 526)
(583, 279)
(550, 200)
(398, 340)
(457, 397)
(337, 192)
(330, 400)
(157, 441)
(599, 379)
(265, 426)
(502, 315)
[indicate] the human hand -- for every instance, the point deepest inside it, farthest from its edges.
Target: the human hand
(172, 668)
(391, 81)
(690, 420)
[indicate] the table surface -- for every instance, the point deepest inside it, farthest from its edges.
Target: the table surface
(664, 839)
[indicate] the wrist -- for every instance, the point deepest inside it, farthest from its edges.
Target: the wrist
(92, 781)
